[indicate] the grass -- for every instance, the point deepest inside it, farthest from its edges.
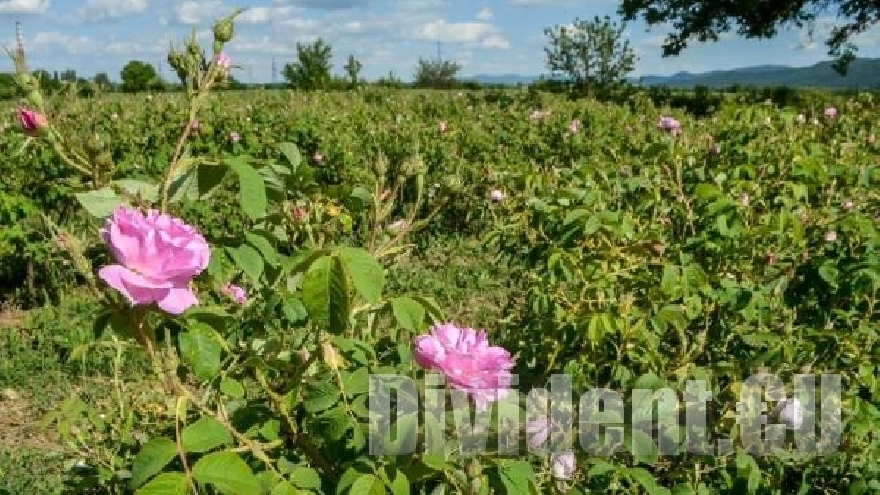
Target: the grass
(37, 373)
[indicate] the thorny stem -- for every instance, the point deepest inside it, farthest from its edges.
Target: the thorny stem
(178, 150)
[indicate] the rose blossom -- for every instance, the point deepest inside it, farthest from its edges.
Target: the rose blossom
(469, 363)
(575, 126)
(670, 125)
(497, 195)
(234, 137)
(235, 292)
(790, 412)
(157, 256)
(31, 121)
(831, 112)
(563, 465)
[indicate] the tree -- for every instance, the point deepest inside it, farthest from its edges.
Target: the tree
(705, 20)
(590, 53)
(312, 68)
(138, 76)
(353, 69)
(436, 74)
(102, 79)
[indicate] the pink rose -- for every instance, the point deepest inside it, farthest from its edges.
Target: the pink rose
(31, 121)
(469, 363)
(157, 256)
(235, 292)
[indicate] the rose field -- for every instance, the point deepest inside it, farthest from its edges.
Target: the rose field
(199, 286)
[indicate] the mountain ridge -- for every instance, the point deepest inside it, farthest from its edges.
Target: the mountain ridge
(863, 73)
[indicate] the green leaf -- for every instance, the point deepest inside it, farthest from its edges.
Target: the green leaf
(264, 246)
(205, 434)
(517, 476)
(408, 313)
(166, 484)
(146, 190)
(200, 351)
(325, 294)
(366, 273)
(829, 273)
(285, 488)
(292, 154)
(154, 456)
(208, 177)
(305, 477)
(320, 396)
(252, 188)
(100, 203)
(367, 485)
(644, 478)
(642, 447)
(232, 388)
(227, 472)
(293, 309)
(248, 260)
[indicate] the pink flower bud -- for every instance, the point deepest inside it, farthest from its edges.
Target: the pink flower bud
(575, 126)
(234, 137)
(831, 236)
(235, 292)
(32, 122)
(224, 62)
(830, 112)
(497, 196)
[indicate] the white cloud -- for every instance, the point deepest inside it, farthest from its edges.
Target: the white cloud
(545, 3)
(95, 10)
(75, 45)
(24, 6)
(484, 14)
(454, 31)
(495, 41)
(199, 12)
(263, 15)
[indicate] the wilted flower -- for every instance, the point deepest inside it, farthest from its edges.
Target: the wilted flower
(744, 199)
(715, 150)
(539, 114)
(831, 236)
(397, 225)
(538, 431)
(801, 119)
(442, 126)
(318, 157)
(469, 363)
(848, 204)
(194, 124)
(670, 125)
(157, 256)
(298, 214)
(32, 122)
(235, 292)
(234, 137)
(830, 112)
(790, 412)
(224, 62)
(563, 465)
(497, 195)
(871, 138)
(575, 126)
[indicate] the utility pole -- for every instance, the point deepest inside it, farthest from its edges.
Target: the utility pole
(274, 72)
(19, 48)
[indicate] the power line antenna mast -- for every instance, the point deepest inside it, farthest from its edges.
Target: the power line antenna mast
(19, 48)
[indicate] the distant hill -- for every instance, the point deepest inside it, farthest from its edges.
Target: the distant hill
(863, 73)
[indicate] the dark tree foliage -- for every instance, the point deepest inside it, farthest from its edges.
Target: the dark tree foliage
(704, 20)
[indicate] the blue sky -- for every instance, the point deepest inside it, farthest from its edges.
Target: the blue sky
(485, 36)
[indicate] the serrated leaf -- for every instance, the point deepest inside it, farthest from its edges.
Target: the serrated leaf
(367, 275)
(292, 154)
(152, 458)
(204, 435)
(408, 313)
(100, 203)
(252, 188)
(320, 396)
(517, 476)
(305, 477)
(200, 351)
(264, 246)
(325, 294)
(248, 260)
(166, 484)
(226, 472)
